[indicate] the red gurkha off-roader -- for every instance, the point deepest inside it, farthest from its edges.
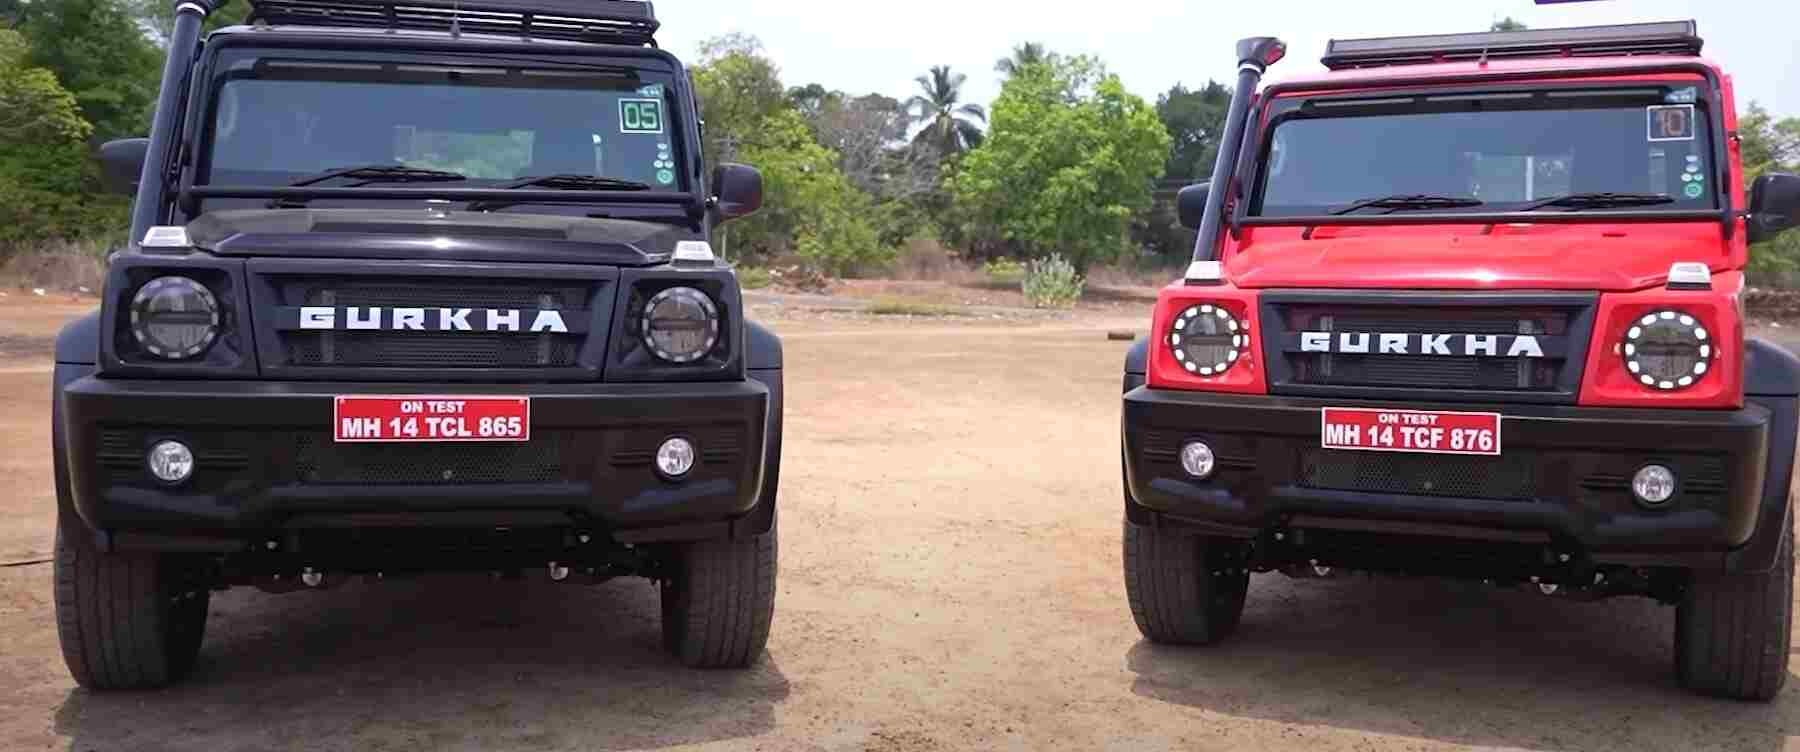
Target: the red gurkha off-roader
(1471, 306)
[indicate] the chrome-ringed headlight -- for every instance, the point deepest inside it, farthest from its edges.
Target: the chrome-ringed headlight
(175, 318)
(1668, 350)
(1206, 339)
(680, 324)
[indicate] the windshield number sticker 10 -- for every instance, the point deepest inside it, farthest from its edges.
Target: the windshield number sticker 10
(371, 419)
(1409, 431)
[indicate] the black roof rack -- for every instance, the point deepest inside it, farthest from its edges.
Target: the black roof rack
(1663, 38)
(606, 21)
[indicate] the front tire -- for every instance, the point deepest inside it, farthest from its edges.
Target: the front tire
(718, 600)
(1181, 590)
(1732, 630)
(126, 620)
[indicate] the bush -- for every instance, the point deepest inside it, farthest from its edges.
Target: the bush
(753, 277)
(1004, 271)
(1051, 283)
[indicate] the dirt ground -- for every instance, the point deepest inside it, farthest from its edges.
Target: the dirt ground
(950, 579)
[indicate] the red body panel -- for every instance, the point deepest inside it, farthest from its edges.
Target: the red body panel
(1628, 262)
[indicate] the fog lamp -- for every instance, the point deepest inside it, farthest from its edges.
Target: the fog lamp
(1197, 459)
(171, 461)
(675, 457)
(1653, 484)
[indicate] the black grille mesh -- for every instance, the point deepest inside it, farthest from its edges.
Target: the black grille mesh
(1512, 476)
(432, 349)
(430, 291)
(1422, 371)
(319, 460)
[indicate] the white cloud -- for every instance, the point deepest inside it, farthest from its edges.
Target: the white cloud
(1152, 44)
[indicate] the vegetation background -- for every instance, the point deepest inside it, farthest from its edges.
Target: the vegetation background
(1066, 162)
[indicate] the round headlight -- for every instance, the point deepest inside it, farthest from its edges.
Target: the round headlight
(174, 317)
(1206, 339)
(681, 325)
(1667, 350)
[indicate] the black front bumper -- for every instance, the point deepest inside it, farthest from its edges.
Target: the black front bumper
(266, 461)
(1563, 480)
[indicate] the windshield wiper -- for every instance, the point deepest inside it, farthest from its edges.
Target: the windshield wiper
(561, 183)
(366, 175)
(382, 174)
(1410, 201)
(1599, 200)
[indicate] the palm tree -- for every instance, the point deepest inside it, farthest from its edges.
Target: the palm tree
(951, 127)
(1023, 56)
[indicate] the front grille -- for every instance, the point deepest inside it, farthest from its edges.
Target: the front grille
(1510, 477)
(1553, 378)
(320, 460)
(430, 350)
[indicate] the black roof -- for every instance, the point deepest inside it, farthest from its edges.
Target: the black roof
(604, 21)
(1667, 38)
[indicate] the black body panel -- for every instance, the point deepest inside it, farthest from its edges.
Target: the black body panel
(1564, 477)
(264, 455)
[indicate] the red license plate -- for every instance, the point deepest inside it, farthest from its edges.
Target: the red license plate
(431, 418)
(1433, 432)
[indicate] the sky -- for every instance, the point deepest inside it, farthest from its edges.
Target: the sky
(859, 47)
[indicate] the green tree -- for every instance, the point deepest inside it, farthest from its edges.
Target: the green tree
(1194, 119)
(951, 126)
(738, 87)
(1067, 165)
(1771, 145)
(1024, 55)
(810, 209)
(48, 186)
(1507, 24)
(98, 51)
(159, 16)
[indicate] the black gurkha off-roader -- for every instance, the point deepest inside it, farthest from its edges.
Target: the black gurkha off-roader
(415, 287)
(1472, 306)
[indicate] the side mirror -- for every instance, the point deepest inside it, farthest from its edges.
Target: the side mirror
(1190, 204)
(122, 163)
(1774, 205)
(737, 190)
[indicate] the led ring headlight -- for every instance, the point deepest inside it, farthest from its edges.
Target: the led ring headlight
(1667, 350)
(1206, 339)
(680, 325)
(174, 317)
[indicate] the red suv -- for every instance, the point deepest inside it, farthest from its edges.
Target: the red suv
(1471, 306)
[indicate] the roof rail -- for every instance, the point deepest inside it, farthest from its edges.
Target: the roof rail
(1663, 38)
(605, 21)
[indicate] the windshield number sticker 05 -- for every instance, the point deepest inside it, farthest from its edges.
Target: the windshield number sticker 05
(423, 418)
(1409, 431)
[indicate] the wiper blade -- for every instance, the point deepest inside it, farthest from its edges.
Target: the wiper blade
(382, 174)
(1411, 201)
(1599, 200)
(561, 183)
(577, 183)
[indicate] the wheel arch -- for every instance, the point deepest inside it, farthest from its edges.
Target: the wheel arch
(763, 361)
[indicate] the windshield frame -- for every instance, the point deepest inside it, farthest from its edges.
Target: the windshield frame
(468, 50)
(1255, 151)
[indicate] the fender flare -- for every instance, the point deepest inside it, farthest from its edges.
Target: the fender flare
(79, 340)
(1137, 363)
(762, 360)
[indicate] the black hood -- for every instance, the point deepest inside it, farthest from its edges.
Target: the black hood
(426, 234)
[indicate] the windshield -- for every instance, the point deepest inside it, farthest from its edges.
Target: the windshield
(275, 121)
(1504, 150)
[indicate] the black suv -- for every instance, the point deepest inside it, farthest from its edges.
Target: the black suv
(415, 287)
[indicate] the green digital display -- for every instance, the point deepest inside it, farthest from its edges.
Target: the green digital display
(640, 116)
